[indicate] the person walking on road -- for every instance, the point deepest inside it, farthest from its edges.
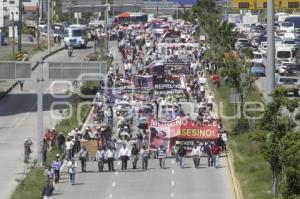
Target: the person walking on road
(100, 158)
(196, 154)
(124, 155)
(83, 157)
(45, 147)
(161, 155)
(61, 142)
(27, 150)
(220, 141)
(110, 157)
(72, 170)
(134, 156)
(21, 83)
(47, 191)
(49, 174)
(145, 156)
(207, 150)
(215, 150)
(69, 148)
(56, 165)
(181, 154)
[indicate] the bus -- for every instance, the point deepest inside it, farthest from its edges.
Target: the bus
(75, 36)
(128, 17)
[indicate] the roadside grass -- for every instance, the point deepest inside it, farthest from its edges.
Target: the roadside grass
(253, 173)
(6, 51)
(31, 186)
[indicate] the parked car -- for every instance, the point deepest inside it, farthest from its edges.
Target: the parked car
(291, 83)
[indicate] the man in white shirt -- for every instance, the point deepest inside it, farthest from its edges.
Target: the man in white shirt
(124, 155)
(69, 148)
(196, 155)
(210, 99)
(202, 80)
(110, 156)
(202, 90)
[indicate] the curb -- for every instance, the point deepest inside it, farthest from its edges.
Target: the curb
(236, 186)
(2, 95)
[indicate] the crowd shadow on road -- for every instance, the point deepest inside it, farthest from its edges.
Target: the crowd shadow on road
(22, 103)
(78, 183)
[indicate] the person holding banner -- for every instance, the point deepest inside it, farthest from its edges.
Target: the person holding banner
(161, 155)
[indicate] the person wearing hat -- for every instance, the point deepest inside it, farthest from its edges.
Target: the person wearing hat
(27, 150)
(56, 165)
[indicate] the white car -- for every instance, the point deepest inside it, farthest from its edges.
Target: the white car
(257, 57)
(281, 69)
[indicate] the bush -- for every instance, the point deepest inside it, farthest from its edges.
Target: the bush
(241, 126)
(297, 116)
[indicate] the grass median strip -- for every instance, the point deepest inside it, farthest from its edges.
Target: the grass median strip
(253, 173)
(31, 185)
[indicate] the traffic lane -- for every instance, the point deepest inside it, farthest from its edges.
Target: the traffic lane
(89, 185)
(18, 128)
(77, 55)
(155, 183)
(17, 122)
(203, 182)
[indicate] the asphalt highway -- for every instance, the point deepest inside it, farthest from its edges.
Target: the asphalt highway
(155, 183)
(18, 121)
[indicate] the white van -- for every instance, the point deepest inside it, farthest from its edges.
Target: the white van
(286, 27)
(284, 53)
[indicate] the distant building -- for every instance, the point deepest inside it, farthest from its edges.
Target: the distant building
(147, 6)
(262, 4)
(7, 7)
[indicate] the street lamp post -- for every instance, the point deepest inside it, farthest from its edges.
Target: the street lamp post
(37, 25)
(270, 47)
(20, 26)
(13, 32)
(48, 25)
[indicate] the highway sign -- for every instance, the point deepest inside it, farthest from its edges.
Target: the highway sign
(77, 70)
(15, 70)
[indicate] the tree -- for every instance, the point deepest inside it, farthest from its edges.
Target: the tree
(275, 125)
(290, 155)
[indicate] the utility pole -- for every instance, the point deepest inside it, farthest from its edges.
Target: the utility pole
(106, 24)
(270, 48)
(48, 25)
(37, 25)
(13, 32)
(20, 26)
(40, 119)
(157, 9)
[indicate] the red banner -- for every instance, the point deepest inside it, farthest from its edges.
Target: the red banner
(162, 132)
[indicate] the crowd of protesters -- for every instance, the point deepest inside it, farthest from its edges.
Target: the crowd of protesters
(120, 118)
